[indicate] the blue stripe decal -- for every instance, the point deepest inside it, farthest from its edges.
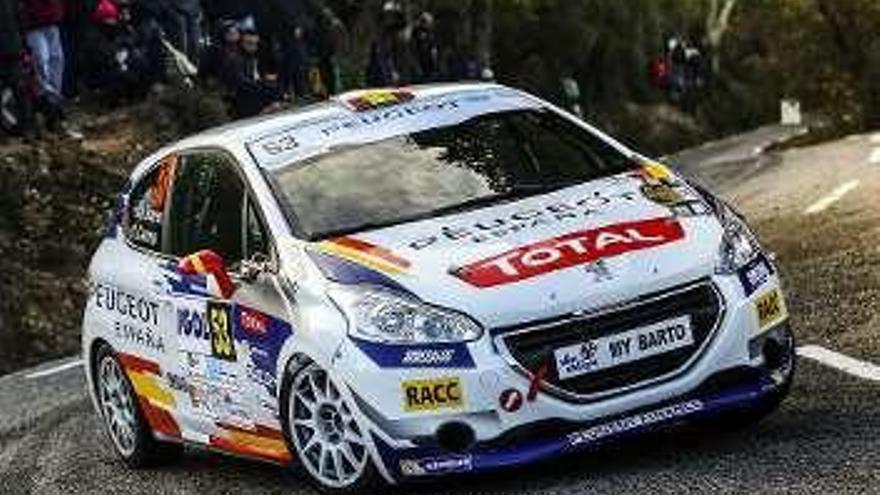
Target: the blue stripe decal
(428, 461)
(417, 356)
(350, 273)
(259, 338)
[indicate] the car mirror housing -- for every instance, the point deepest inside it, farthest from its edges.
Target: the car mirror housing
(251, 269)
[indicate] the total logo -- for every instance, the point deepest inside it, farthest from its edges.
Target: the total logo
(574, 249)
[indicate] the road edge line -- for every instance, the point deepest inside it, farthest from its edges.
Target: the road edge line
(841, 362)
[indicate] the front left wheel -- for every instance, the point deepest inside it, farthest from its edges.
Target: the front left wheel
(321, 429)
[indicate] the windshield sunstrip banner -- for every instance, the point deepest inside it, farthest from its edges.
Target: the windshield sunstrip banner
(285, 146)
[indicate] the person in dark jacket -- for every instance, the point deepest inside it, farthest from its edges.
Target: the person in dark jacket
(252, 89)
(41, 19)
(185, 31)
(18, 115)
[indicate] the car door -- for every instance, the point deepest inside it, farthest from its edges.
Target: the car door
(227, 343)
(143, 321)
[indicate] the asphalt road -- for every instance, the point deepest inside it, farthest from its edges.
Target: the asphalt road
(815, 207)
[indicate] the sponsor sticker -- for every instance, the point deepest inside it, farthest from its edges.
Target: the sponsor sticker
(132, 307)
(372, 100)
(574, 249)
(614, 350)
(511, 400)
(663, 194)
(417, 356)
(220, 321)
(253, 321)
(142, 336)
(436, 465)
(581, 206)
(755, 274)
(432, 394)
(630, 423)
(770, 309)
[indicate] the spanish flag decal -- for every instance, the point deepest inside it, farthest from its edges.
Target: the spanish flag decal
(366, 254)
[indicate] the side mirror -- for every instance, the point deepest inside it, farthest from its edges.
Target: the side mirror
(252, 268)
(208, 262)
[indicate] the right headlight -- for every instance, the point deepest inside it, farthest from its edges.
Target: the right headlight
(739, 246)
(381, 316)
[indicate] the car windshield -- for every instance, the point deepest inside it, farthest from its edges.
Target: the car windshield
(482, 161)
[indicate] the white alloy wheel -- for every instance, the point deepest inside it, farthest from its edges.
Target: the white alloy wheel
(326, 436)
(117, 405)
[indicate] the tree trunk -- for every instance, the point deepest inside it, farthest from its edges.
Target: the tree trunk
(717, 23)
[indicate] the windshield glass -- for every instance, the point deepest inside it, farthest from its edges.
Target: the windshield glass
(485, 160)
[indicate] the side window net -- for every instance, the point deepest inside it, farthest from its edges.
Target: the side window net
(146, 206)
(207, 208)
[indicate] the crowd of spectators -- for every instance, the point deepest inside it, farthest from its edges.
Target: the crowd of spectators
(255, 53)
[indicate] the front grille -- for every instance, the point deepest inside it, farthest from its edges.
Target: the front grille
(533, 348)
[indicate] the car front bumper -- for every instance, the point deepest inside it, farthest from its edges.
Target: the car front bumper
(731, 371)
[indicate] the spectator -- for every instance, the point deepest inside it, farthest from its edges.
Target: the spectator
(18, 116)
(295, 62)
(391, 63)
(227, 46)
(252, 90)
(186, 33)
(426, 48)
(128, 53)
(41, 23)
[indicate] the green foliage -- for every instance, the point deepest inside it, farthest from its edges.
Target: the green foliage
(825, 53)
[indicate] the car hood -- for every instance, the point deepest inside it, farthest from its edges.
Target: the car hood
(576, 249)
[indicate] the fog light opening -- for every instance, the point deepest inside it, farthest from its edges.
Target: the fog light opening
(778, 357)
(455, 437)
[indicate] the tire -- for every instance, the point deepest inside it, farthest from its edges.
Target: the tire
(123, 418)
(322, 432)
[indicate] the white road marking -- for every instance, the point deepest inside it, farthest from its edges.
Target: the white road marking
(852, 366)
(54, 370)
(874, 159)
(835, 196)
(875, 138)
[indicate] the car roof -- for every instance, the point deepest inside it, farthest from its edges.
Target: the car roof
(246, 130)
(244, 134)
(233, 135)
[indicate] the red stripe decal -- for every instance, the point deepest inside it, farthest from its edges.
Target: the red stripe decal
(161, 421)
(577, 248)
(259, 430)
(372, 249)
(136, 364)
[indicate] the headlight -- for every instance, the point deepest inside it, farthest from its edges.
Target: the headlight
(382, 316)
(738, 245)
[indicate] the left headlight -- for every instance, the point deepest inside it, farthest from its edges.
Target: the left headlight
(381, 316)
(739, 246)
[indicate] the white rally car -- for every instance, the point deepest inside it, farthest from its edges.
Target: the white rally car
(409, 283)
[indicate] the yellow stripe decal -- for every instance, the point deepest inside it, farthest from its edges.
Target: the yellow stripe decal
(145, 385)
(360, 258)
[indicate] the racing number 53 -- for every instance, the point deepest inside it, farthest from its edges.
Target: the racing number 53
(222, 345)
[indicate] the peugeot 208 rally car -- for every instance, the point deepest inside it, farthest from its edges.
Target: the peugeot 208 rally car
(409, 283)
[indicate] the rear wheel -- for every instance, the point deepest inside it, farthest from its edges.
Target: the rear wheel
(322, 430)
(125, 423)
